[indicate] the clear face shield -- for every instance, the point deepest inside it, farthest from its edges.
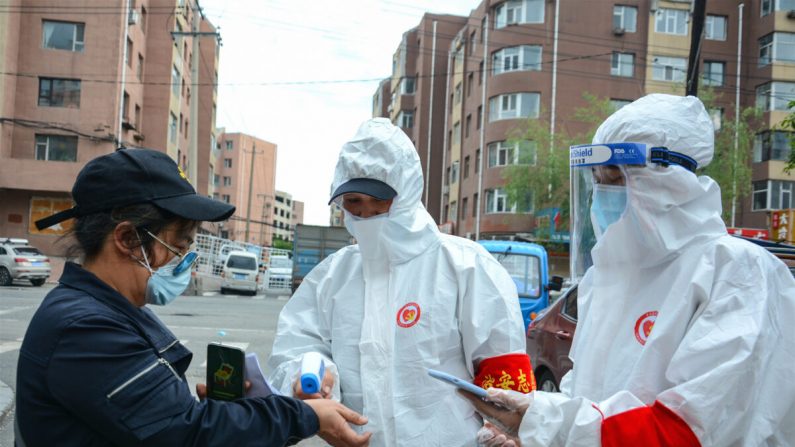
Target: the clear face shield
(599, 178)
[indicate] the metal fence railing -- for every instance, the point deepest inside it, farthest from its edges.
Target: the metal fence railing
(275, 264)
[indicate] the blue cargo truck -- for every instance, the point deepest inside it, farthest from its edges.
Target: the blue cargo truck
(312, 244)
(528, 265)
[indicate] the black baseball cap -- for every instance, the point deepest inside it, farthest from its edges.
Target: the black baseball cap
(369, 186)
(135, 176)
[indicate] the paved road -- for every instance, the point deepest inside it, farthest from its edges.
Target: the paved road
(249, 322)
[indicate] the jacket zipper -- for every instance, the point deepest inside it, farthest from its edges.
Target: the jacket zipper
(160, 361)
(168, 347)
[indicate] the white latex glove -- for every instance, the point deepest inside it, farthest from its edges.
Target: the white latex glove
(491, 436)
(502, 408)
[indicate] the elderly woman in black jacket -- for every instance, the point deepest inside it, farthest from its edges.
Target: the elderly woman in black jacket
(97, 367)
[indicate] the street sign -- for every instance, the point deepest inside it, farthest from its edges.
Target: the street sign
(753, 233)
(782, 226)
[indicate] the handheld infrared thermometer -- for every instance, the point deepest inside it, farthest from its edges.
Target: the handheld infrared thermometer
(312, 370)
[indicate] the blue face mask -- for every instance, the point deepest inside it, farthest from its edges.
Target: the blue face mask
(609, 203)
(164, 285)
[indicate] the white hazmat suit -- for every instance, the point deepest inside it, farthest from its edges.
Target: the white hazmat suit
(686, 335)
(404, 299)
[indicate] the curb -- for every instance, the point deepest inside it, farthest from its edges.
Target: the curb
(6, 400)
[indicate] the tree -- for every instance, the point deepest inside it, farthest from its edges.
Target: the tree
(540, 179)
(730, 166)
(789, 125)
(282, 244)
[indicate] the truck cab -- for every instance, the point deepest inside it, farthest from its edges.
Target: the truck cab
(528, 266)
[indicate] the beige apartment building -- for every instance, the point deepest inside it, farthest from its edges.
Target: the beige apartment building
(287, 214)
(89, 76)
(245, 176)
(514, 60)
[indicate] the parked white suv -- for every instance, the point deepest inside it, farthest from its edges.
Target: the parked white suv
(240, 272)
(19, 260)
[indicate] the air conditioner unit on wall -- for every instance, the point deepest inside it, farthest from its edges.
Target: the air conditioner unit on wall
(132, 17)
(618, 31)
(791, 14)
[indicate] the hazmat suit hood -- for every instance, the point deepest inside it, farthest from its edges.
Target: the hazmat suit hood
(668, 208)
(381, 151)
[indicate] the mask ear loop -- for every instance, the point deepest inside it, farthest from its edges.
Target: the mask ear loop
(143, 252)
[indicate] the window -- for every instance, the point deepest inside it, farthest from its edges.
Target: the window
(129, 52)
(227, 181)
(716, 113)
(143, 19)
(408, 86)
(668, 69)
(140, 69)
(138, 117)
(497, 202)
(468, 125)
(618, 103)
(513, 105)
(56, 148)
(767, 6)
(226, 198)
(777, 47)
(514, 12)
(472, 43)
(622, 64)
(470, 82)
(405, 119)
(229, 145)
(772, 145)
(713, 73)
(475, 205)
(59, 92)
(456, 134)
(625, 18)
(176, 80)
(773, 195)
(464, 208)
(125, 107)
(457, 94)
(480, 73)
(671, 21)
(447, 176)
(216, 181)
(775, 96)
(466, 170)
(504, 153)
(480, 117)
(715, 27)
(477, 162)
(227, 162)
(454, 172)
(453, 216)
(62, 35)
(172, 127)
(523, 57)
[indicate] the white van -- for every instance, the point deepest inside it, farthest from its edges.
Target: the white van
(240, 272)
(280, 273)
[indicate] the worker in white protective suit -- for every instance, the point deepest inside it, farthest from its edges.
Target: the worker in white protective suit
(686, 334)
(404, 299)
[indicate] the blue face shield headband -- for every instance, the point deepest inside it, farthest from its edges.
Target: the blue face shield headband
(599, 194)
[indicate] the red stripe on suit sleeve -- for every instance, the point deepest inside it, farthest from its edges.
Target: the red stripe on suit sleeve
(652, 426)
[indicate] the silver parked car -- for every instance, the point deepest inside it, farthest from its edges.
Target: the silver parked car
(19, 260)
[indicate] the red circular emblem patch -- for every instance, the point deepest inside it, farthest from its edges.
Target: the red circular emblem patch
(408, 315)
(644, 325)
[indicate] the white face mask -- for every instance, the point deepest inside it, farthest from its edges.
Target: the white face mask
(367, 232)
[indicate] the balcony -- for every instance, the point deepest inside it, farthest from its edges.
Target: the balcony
(37, 175)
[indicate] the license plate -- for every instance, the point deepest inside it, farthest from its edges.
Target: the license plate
(240, 276)
(37, 264)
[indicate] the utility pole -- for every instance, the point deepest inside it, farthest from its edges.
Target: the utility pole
(265, 206)
(250, 187)
(699, 12)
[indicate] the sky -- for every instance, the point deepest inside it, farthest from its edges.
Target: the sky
(266, 44)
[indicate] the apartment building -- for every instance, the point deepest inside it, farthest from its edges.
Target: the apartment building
(417, 100)
(245, 176)
(514, 60)
(88, 76)
(287, 214)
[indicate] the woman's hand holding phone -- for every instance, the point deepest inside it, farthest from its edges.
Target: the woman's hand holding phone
(503, 408)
